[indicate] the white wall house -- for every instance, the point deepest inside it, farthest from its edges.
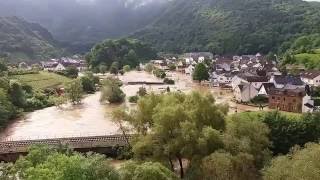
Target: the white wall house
(224, 78)
(201, 59)
(60, 67)
(307, 104)
(292, 82)
(311, 77)
(189, 70)
(265, 88)
(244, 92)
(235, 81)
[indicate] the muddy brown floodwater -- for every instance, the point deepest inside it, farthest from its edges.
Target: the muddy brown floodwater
(91, 118)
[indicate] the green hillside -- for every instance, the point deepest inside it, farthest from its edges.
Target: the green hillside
(310, 61)
(24, 41)
(232, 26)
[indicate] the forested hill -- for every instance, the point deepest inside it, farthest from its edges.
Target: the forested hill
(21, 40)
(232, 26)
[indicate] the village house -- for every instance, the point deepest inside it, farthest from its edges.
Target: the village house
(189, 70)
(181, 67)
(287, 81)
(62, 64)
(223, 64)
(265, 89)
(291, 100)
(255, 80)
(311, 77)
(198, 56)
(221, 78)
(244, 92)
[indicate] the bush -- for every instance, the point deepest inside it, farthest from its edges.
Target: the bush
(126, 68)
(260, 100)
(142, 91)
(111, 91)
(133, 99)
(89, 82)
(172, 67)
(168, 81)
(160, 73)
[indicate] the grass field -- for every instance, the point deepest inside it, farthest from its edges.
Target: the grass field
(42, 80)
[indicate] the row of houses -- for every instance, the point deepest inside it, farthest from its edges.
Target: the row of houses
(63, 63)
(250, 76)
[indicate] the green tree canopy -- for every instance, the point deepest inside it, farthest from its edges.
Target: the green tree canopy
(43, 163)
(7, 110)
(126, 68)
(146, 171)
(114, 68)
(177, 126)
(17, 94)
(125, 51)
(301, 163)
(72, 72)
(200, 72)
(74, 91)
(112, 92)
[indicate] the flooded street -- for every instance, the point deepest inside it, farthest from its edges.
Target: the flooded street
(91, 117)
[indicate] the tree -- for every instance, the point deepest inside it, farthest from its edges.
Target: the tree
(301, 163)
(149, 67)
(112, 93)
(200, 73)
(114, 68)
(145, 171)
(103, 68)
(172, 67)
(142, 91)
(7, 110)
(72, 72)
(126, 68)
(44, 163)
(3, 66)
(247, 134)
(223, 165)
(125, 51)
(17, 94)
(288, 131)
(74, 91)
(119, 116)
(89, 82)
(132, 57)
(177, 126)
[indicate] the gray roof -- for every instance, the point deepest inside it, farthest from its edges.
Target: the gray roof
(288, 79)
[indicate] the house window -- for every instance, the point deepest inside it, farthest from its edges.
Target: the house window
(284, 99)
(278, 98)
(273, 97)
(294, 100)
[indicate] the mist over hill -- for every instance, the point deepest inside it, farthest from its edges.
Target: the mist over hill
(232, 26)
(24, 41)
(78, 24)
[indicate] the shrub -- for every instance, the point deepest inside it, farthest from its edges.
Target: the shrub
(133, 99)
(260, 100)
(142, 91)
(168, 81)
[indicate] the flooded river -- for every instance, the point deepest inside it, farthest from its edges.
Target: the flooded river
(91, 117)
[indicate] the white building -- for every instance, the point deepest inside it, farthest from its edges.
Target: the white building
(311, 77)
(60, 67)
(244, 92)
